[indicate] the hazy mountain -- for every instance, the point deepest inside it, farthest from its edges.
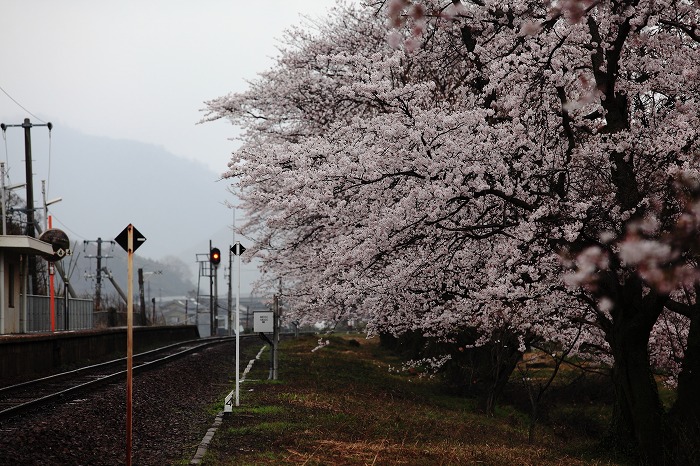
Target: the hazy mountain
(105, 184)
(166, 277)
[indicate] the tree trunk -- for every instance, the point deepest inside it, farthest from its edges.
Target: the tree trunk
(639, 413)
(637, 400)
(534, 417)
(504, 358)
(684, 418)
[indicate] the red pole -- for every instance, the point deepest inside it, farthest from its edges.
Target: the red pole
(52, 304)
(51, 296)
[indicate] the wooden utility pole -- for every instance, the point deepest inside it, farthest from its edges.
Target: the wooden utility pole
(142, 299)
(29, 176)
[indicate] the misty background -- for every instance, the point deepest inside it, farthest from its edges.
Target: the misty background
(105, 184)
(124, 83)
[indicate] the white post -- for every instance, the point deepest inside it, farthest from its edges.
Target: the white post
(238, 326)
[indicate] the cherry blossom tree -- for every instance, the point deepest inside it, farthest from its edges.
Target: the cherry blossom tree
(440, 165)
(618, 85)
(352, 230)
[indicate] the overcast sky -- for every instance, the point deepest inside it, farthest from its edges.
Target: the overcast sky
(139, 69)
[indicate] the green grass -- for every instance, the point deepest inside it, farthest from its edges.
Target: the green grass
(263, 428)
(340, 405)
(262, 410)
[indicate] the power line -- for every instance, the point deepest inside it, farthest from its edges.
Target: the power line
(56, 219)
(20, 105)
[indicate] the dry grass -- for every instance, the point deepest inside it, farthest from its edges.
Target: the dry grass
(341, 405)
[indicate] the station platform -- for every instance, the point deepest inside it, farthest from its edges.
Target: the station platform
(25, 356)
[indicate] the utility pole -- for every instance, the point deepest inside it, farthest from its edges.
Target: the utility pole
(142, 299)
(29, 176)
(30, 231)
(98, 275)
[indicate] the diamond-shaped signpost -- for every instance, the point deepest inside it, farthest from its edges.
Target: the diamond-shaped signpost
(238, 249)
(129, 239)
(122, 239)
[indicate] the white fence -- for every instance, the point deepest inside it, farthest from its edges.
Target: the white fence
(39, 314)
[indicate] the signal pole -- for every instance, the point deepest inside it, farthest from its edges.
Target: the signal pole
(215, 311)
(214, 260)
(211, 292)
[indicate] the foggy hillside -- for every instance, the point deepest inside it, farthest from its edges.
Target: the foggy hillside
(105, 184)
(176, 203)
(164, 278)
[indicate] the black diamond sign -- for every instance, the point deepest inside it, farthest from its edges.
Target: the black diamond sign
(122, 238)
(237, 249)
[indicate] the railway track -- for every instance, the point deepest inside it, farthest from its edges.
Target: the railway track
(15, 399)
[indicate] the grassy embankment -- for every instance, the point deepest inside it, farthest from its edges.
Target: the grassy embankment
(342, 405)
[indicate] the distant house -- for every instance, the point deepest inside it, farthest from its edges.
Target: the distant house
(14, 249)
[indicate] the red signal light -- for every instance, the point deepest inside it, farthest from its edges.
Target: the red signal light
(215, 256)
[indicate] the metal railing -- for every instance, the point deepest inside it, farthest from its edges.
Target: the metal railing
(80, 315)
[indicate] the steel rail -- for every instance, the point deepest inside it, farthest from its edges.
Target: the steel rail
(13, 410)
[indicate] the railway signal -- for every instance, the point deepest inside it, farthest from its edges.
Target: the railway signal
(215, 256)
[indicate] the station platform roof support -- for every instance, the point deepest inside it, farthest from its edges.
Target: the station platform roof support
(21, 244)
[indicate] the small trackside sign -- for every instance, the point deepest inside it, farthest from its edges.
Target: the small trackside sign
(228, 402)
(263, 322)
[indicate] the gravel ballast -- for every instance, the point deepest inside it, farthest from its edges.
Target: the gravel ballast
(172, 410)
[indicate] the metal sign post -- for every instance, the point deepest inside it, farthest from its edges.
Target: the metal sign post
(238, 249)
(275, 335)
(129, 239)
(266, 322)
